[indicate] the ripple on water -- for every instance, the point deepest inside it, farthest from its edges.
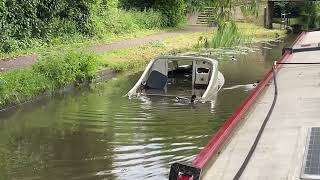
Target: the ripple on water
(99, 134)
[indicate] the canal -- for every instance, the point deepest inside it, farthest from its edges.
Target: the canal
(97, 133)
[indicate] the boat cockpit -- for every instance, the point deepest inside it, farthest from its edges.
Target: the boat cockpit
(184, 76)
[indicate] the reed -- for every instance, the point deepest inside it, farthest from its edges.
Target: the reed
(231, 34)
(227, 35)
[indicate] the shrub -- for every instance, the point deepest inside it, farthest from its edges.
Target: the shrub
(45, 19)
(148, 19)
(172, 10)
(120, 21)
(33, 23)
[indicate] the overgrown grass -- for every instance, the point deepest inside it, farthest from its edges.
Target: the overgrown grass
(134, 58)
(234, 34)
(50, 73)
(110, 26)
(258, 33)
(77, 41)
(58, 70)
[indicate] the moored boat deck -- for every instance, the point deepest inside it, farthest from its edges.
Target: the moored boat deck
(280, 151)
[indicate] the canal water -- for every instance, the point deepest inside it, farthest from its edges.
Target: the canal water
(97, 133)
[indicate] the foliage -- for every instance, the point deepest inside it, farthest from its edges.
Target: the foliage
(193, 5)
(73, 42)
(134, 58)
(21, 83)
(42, 23)
(231, 34)
(72, 67)
(29, 23)
(311, 13)
(228, 35)
(249, 8)
(24, 20)
(137, 4)
(121, 22)
(172, 10)
(294, 8)
(223, 9)
(308, 10)
(48, 74)
(56, 71)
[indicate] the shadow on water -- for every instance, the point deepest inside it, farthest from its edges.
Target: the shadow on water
(96, 133)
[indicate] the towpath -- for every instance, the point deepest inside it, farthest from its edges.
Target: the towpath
(28, 60)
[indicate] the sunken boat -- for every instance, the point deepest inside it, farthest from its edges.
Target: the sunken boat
(187, 77)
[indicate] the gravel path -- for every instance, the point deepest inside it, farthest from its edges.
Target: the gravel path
(26, 61)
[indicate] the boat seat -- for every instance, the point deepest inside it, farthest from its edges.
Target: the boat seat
(156, 80)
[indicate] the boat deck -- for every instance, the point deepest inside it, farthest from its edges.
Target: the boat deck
(280, 151)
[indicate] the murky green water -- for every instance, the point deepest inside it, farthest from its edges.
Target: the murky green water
(96, 133)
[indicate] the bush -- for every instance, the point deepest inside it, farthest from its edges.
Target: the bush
(137, 4)
(33, 18)
(149, 19)
(48, 74)
(33, 23)
(41, 19)
(120, 21)
(172, 10)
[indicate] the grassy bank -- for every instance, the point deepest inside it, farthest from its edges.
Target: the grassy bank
(258, 33)
(113, 26)
(34, 26)
(57, 70)
(49, 74)
(78, 41)
(133, 58)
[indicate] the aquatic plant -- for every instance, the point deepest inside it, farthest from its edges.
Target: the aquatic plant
(228, 35)
(232, 34)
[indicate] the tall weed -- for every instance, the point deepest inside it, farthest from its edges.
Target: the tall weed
(228, 35)
(120, 21)
(71, 67)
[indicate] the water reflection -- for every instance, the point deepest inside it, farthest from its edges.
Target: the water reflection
(96, 133)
